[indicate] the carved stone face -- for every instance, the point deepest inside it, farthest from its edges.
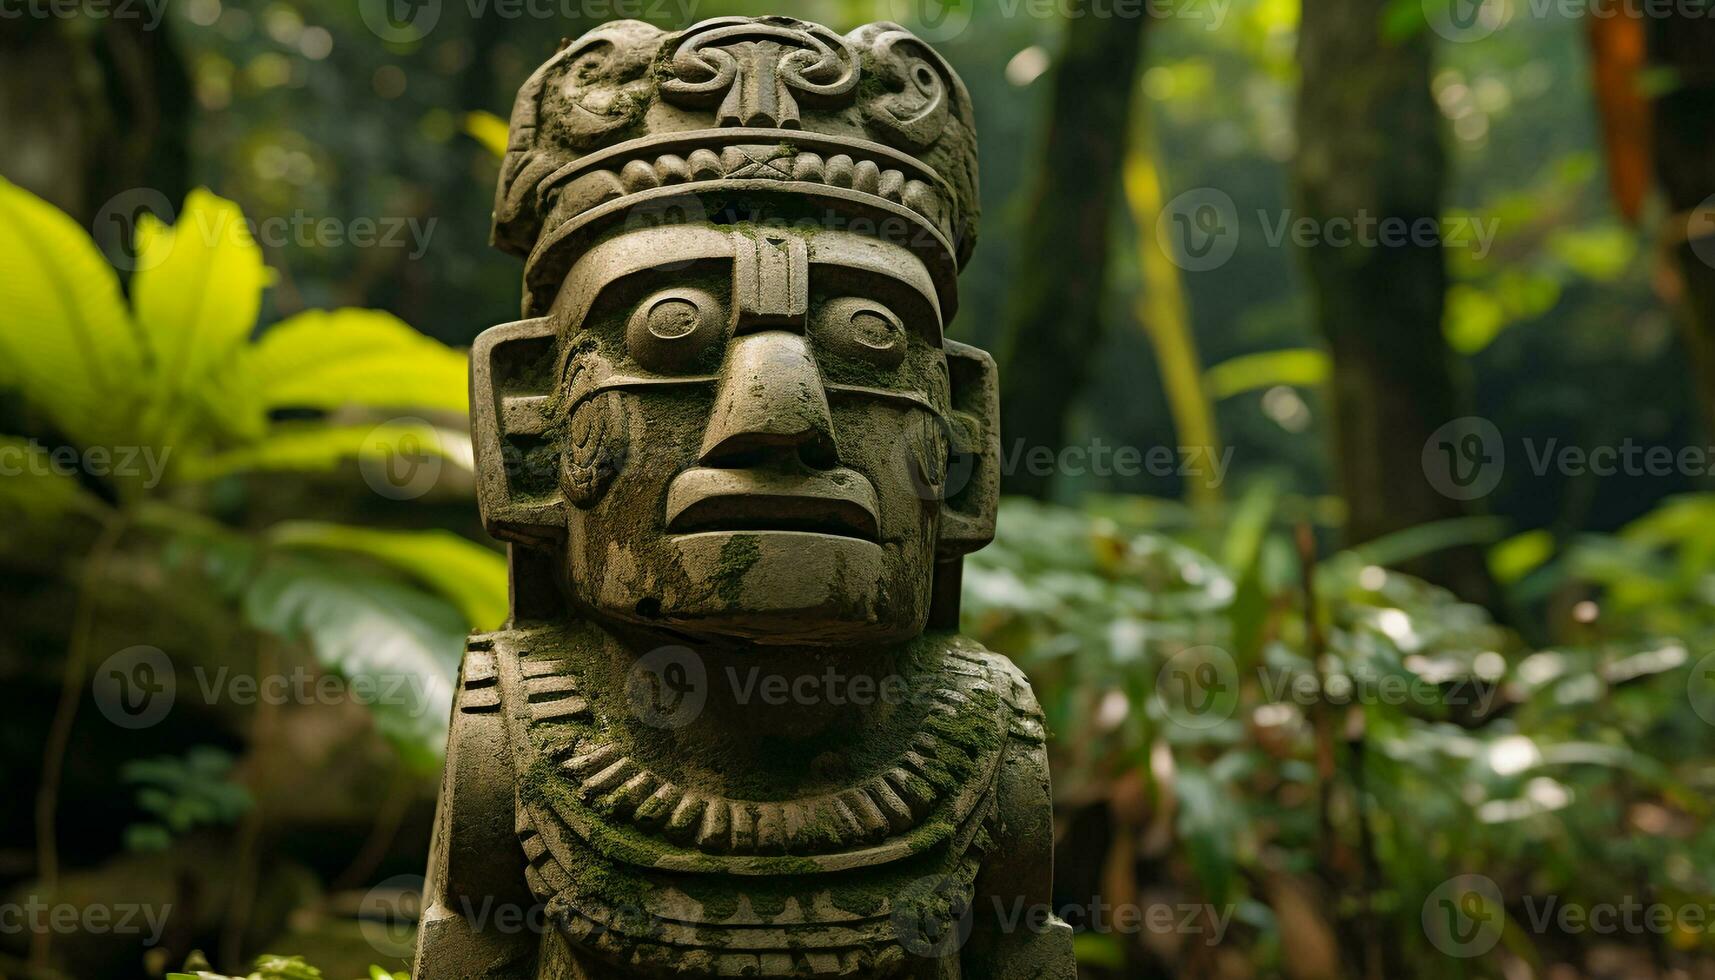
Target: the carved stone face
(754, 428)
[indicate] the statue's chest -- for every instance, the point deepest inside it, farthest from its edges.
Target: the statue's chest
(650, 870)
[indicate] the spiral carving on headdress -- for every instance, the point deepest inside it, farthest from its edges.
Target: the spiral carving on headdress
(758, 70)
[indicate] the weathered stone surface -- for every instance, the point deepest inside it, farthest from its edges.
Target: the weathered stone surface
(729, 730)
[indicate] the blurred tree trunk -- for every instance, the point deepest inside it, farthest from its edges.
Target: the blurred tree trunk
(1684, 46)
(91, 108)
(1053, 328)
(1370, 148)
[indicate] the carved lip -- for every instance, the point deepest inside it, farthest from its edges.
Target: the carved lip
(838, 501)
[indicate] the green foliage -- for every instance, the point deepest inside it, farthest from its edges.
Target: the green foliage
(331, 359)
(182, 793)
(1657, 574)
(444, 562)
(67, 343)
(175, 374)
(176, 371)
(195, 297)
(269, 966)
(403, 644)
(1450, 746)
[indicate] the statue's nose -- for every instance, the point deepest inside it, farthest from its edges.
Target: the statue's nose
(769, 402)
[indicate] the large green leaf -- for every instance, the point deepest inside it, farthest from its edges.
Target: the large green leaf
(66, 340)
(315, 447)
(330, 359)
(397, 646)
(196, 294)
(470, 575)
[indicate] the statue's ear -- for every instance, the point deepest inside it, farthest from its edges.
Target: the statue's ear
(972, 489)
(517, 464)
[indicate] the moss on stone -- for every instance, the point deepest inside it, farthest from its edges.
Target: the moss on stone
(738, 554)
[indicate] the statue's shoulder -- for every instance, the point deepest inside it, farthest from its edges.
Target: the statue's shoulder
(1008, 682)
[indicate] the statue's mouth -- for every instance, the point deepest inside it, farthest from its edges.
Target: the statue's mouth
(839, 501)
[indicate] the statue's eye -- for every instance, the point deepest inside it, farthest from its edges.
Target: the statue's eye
(672, 327)
(863, 329)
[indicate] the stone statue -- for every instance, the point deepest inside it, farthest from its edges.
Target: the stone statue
(730, 729)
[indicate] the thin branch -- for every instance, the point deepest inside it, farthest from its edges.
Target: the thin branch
(65, 716)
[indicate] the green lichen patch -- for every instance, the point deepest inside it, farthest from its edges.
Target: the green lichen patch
(738, 554)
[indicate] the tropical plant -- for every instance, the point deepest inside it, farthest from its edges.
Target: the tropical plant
(181, 794)
(127, 417)
(175, 381)
(1315, 746)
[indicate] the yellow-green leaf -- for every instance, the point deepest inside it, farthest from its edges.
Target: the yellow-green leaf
(1511, 560)
(333, 358)
(1296, 366)
(66, 339)
(471, 576)
(1602, 253)
(196, 294)
(316, 447)
(488, 129)
(1473, 319)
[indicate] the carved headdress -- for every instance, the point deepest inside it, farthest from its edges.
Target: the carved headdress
(873, 128)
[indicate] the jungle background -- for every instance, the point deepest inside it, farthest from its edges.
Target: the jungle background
(1383, 652)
